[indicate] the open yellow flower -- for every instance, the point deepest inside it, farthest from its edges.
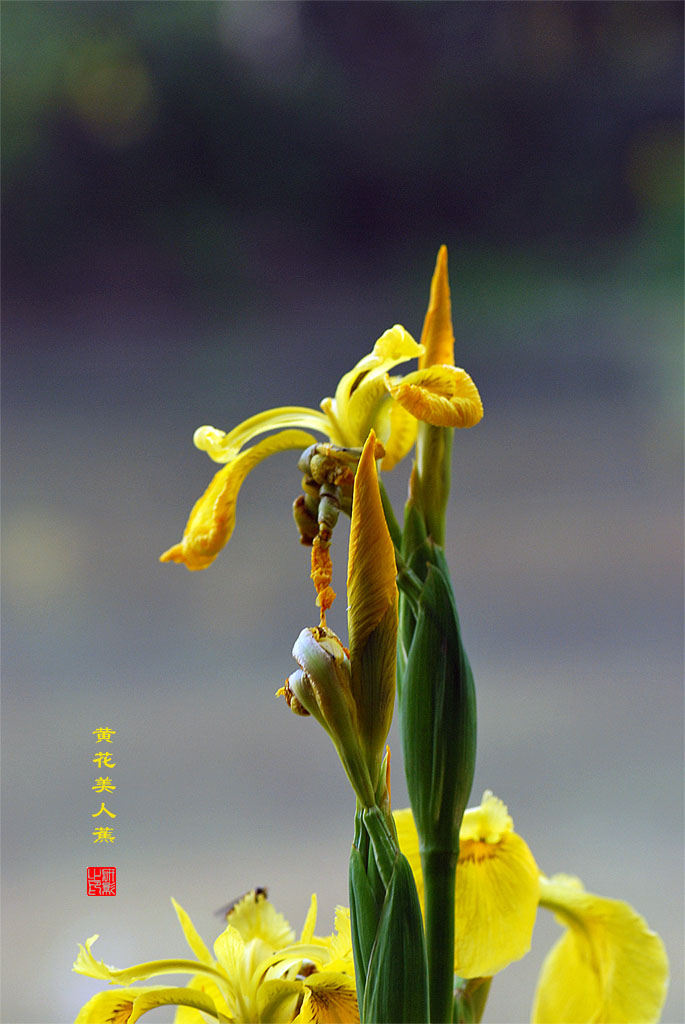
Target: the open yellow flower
(608, 967)
(258, 973)
(496, 895)
(366, 398)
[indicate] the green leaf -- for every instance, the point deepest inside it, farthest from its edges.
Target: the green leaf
(364, 917)
(397, 980)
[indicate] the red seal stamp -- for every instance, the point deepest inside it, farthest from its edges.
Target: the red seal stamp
(101, 881)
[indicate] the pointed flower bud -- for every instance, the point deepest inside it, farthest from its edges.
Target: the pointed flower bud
(437, 336)
(372, 614)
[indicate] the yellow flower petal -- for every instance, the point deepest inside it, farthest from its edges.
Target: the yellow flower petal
(496, 890)
(401, 437)
(444, 396)
(126, 1006)
(277, 1000)
(187, 1015)
(341, 940)
(229, 950)
(192, 938)
(255, 917)
(365, 410)
(223, 447)
(608, 967)
(408, 839)
(212, 518)
(153, 997)
(361, 393)
(330, 998)
(109, 1007)
(496, 893)
(437, 337)
(86, 963)
(310, 921)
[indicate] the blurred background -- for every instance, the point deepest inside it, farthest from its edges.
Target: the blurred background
(213, 208)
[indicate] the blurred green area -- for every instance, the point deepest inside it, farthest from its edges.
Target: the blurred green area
(211, 141)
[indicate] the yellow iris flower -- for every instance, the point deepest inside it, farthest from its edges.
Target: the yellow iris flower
(258, 974)
(366, 398)
(608, 967)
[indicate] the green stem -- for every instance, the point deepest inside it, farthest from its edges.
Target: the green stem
(439, 870)
(408, 582)
(394, 528)
(432, 478)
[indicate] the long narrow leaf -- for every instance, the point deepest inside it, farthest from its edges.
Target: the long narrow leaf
(397, 980)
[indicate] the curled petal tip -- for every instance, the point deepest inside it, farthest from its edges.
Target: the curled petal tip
(444, 396)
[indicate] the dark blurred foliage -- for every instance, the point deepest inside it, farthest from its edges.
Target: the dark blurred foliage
(191, 141)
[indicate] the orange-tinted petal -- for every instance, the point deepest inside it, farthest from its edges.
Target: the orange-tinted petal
(371, 586)
(437, 337)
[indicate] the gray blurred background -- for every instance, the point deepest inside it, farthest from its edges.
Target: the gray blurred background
(213, 208)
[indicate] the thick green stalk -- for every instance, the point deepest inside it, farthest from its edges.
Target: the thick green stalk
(430, 483)
(439, 869)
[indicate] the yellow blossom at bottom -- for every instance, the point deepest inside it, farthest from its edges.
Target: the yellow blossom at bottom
(258, 974)
(496, 892)
(607, 968)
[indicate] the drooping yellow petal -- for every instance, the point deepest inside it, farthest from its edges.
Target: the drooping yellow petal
(188, 1015)
(608, 967)
(212, 518)
(126, 1006)
(108, 1007)
(371, 573)
(444, 396)
(154, 997)
(437, 336)
(496, 891)
(330, 998)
